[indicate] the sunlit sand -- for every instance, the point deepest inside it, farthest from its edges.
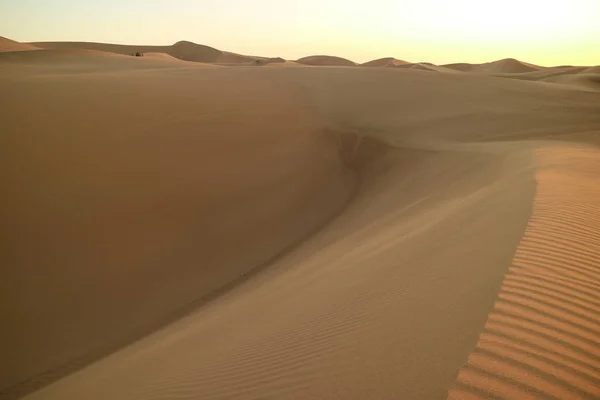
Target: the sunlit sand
(199, 224)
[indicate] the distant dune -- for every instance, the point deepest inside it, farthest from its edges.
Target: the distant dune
(418, 66)
(162, 56)
(326, 61)
(75, 61)
(593, 70)
(285, 63)
(182, 50)
(577, 77)
(7, 45)
(590, 81)
(385, 62)
(464, 67)
(507, 65)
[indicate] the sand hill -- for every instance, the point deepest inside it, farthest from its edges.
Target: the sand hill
(78, 61)
(507, 65)
(593, 70)
(177, 230)
(384, 62)
(576, 77)
(182, 50)
(418, 66)
(326, 61)
(7, 45)
(590, 81)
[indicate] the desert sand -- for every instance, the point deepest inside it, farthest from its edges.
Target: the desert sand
(7, 45)
(331, 61)
(385, 62)
(177, 228)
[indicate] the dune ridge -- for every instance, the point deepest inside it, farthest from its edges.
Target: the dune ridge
(326, 61)
(506, 65)
(384, 62)
(543, 337)
(7, 45)
(182, 50)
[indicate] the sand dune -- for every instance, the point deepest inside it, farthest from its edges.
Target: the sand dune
(285, 63)
(577, 77)
(543, 338)
(545, 73)
(507, 65)
(384, 62)
(182, 50)
(589, 81)
(391, 62)
(118, 167)
(162, 56)
(78, 61)
(293, 233)
(7, 45)
(419, 66)
(464, 67)
(593, 70)
(326, 61)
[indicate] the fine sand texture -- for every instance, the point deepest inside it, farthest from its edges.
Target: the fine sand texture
(179, 230)
(542, 339)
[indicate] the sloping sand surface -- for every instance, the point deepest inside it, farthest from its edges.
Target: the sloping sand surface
(145, 203)
(77, 61)
(7, 45)
(545, 73)
(285, 63)
(384, 62)
(543, 338)
(326, 61)
(578, 77)
(507, 65)
(590, 81)
(327, 233)
(182, 50)
(420, 66)
(593, 70)
(162, 56)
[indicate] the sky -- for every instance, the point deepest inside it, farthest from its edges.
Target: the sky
(544, 32)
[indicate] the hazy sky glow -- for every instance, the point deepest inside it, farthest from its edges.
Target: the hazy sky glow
(546, 32)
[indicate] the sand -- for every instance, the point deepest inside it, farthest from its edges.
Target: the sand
(326, 61)
(543, 337)
(507, 65)
(385, 62)
(7, 45)
(182, 50)
(181, 230)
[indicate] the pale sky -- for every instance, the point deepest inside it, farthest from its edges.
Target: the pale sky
(545, 32)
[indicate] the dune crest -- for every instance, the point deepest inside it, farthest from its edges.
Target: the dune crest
(326, 61)
(385, 62)
(7, 45)
(543, 337)
(183, 50)
(507, 65)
